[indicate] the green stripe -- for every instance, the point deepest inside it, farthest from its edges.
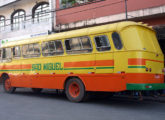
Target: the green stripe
(16, 70)
(104, 67)
(152, 86)
(78, 68)
(136, 66)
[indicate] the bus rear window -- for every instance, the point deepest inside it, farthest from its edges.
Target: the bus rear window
(116, 40)
(140, 38)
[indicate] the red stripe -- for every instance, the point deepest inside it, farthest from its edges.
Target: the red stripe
(89, 63)
(13, 67)
(79, 64)
(136, 61)
(105, 63)
(154, 60)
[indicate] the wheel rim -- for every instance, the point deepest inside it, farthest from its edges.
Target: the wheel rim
(7, 85)
(74, 89)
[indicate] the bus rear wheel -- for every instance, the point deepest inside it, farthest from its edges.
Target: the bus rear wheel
(75, 90)
(7, 86)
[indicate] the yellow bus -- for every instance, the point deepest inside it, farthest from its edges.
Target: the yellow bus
(107, 58)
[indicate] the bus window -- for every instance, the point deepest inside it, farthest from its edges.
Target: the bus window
(86, 43)
(36, 50)
(102, 43)
(7, 54)
(59, 48)
(117, 41)
(78, 45)
(16, 52)
(31, 50)
(0, 55)
(52, 48)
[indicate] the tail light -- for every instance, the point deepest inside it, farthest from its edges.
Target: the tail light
(163, 70)
(146, 69)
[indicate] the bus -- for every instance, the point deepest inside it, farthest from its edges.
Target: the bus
(107, 58)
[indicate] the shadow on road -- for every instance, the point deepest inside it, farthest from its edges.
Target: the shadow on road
(116, 101)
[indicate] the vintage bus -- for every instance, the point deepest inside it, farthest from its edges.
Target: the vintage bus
(107, 58)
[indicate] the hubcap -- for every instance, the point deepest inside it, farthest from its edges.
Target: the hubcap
(74, 89)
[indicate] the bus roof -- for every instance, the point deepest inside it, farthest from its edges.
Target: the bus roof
(80, 32)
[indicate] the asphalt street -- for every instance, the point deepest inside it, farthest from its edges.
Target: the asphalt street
(25, 105)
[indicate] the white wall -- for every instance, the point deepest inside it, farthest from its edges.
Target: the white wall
(30, 28)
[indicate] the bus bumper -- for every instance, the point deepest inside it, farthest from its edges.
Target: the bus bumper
(150, 86)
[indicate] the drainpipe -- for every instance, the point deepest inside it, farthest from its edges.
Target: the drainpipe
(126, 12)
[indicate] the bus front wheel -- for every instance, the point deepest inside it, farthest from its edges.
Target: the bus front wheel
(75, 90)
(7, 86)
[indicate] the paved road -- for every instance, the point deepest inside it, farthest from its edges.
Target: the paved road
(24, 105)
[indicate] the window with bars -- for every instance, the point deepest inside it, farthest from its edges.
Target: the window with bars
(41, 12)
(18, 19)
(2, 23)
(71, 3)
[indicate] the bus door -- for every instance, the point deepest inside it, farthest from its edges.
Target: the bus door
(104, 54)
(80, 57)
(120, 61)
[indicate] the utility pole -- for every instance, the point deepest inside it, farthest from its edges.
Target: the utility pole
(52, 5)
(126, 12)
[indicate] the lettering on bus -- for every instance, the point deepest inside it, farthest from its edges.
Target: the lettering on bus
(52, 66)
(36, 66)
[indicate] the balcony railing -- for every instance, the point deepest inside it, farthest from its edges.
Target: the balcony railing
(28, 24)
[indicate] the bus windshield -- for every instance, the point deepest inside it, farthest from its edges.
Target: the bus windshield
(140, 38)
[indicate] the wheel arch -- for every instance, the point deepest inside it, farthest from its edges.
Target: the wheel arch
(4, 76)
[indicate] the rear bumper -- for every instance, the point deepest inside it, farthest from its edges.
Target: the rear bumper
(152, 86)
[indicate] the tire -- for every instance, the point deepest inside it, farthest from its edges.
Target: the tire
(75, 90)
(37, 90)
(7, 86)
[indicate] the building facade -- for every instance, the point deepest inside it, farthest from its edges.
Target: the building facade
(29, 18)
(72, 14)
(21, 19)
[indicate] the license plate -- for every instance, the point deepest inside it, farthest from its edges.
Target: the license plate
(157, 76)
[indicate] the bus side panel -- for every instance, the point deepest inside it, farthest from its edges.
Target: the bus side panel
(54, 81)
(21, 80)
(104, 82)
